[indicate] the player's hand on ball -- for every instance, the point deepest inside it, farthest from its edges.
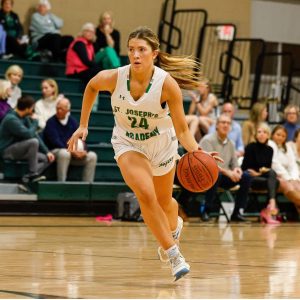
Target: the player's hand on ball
(80, 133)
(215, 155)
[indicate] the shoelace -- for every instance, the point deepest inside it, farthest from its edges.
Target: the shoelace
(177, 260)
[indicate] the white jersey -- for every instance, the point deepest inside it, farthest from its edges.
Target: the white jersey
(144, 119)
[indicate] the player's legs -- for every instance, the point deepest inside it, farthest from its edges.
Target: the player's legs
(163, 189)
(137, 173)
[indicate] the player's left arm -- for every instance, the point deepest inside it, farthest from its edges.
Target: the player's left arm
(171, 94)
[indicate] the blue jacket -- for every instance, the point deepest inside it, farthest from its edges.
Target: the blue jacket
(56, 135)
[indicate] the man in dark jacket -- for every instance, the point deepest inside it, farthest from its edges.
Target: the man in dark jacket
(57, 132)
(19, 140)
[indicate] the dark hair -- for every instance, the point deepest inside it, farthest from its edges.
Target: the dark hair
(11, 1)
(25, 102)
(296, 134)
(280, 127)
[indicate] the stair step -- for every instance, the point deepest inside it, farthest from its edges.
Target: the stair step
(14, 191)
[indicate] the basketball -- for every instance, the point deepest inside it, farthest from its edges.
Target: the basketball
(197, 171)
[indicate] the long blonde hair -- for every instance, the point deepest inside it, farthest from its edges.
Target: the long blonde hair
(53, 84)
(256, 111)
(184, 69)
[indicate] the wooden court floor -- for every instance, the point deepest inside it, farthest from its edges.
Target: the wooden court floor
(78, 257)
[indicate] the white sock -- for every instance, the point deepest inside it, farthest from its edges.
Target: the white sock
(175, 232)
(172, 251)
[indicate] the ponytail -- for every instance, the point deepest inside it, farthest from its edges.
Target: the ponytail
(184, 69)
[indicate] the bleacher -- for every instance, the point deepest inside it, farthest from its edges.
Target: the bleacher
(108, 180)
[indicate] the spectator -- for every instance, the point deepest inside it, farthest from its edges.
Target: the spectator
(258, 161)
(46, 106)
(291, 115)
(45, 32)
(14, 74)
(204, 105)
(194, 123)
(258, 113)
(295, 145)
(16, 43)
(19, 141)
(284, 164)
(235, 134)
(108, 42)
(58, 131)
(80, 61)
(230, 173)
(5, 92)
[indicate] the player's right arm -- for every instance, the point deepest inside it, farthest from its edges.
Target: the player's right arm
(104, 81)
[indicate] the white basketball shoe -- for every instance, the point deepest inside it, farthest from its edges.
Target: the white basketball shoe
(176, 235)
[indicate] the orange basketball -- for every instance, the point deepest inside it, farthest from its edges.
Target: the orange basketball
(197, 171)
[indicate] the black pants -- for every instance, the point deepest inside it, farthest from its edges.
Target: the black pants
(87, 75)
(13, 46)
(56, 43)
(267, 181)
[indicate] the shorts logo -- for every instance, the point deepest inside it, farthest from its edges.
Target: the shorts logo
(165, 163)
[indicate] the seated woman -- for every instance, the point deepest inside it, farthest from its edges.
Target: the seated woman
(16, 43)
(285, 165)
(107, 42)
(14, 74)
(295, 145)
(203, 105)
(5, 92)
(258, 113)
(45, 108)
(45, 31)
(80, 61)
(258, 161)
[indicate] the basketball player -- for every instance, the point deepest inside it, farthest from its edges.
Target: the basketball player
(144, 136)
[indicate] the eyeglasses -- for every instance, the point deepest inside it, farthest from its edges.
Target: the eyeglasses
(225, 122)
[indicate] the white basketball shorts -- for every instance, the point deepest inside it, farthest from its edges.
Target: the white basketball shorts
(161, 151)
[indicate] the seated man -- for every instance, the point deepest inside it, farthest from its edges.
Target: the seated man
(230, 174)
(58, 131)
(235, 134)
(19, 140)
(291, 115)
